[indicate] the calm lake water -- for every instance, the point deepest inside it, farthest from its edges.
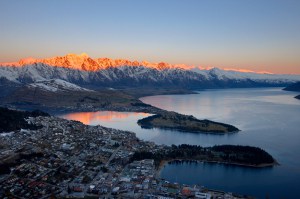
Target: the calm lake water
(268, 117)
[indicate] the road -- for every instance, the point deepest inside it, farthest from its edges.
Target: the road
(113, 156)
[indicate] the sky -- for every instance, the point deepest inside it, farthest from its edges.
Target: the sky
(258, 35)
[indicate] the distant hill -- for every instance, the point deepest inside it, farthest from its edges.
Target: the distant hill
(293, 87)
(12, 120)
(59, 96)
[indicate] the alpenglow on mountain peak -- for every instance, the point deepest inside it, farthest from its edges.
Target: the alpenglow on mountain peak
(84, 62)
(83, 70)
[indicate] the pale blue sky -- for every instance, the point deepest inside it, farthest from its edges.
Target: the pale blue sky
(261, 35)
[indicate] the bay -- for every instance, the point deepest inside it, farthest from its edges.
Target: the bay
(268, 118)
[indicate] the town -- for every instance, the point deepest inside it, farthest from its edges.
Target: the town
(66, 159)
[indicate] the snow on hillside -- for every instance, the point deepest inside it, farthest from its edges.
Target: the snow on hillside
(82, 69)
(236, 75)
(56, 85)
(41, 72)
(141, 75)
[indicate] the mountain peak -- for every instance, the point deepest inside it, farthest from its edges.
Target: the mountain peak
(84, 62)
(82, 55)
(26, 61)
(79, 69)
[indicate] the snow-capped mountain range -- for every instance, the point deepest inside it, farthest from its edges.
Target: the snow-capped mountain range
(104, 72)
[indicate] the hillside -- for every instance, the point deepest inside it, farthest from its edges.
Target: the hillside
(293, 87)
(56, 85)
(11, 120)
(54, 98)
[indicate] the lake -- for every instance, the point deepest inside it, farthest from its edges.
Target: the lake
(268, 117)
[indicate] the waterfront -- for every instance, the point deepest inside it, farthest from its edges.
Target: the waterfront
(268, 118)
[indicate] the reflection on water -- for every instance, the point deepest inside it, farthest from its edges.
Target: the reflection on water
(119, 120)
(95, 118)
(268, 118)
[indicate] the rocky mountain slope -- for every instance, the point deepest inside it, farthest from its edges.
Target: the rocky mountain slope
(56, 85)
(104, 72)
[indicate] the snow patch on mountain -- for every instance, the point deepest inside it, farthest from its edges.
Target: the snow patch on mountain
(56, 85)
(137, 75)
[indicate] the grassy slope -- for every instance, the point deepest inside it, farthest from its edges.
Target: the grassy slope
(36, 98)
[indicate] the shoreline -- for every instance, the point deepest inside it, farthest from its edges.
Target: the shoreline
(185, 123)
(213, 132)
(163, 163)
(155, 110)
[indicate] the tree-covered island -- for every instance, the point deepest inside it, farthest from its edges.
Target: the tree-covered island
(227, 154)
(186, 123)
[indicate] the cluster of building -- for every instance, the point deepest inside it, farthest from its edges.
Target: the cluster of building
(67, 159)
